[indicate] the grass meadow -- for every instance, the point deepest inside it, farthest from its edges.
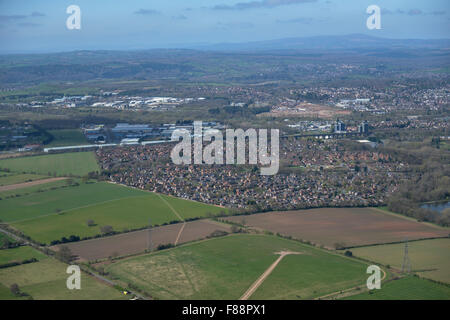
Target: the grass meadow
(53, 214)
(67, 137)
(72, 163)
(429, 258)
(19, 254)
(224, 268)
(408, 288)
(46, 280)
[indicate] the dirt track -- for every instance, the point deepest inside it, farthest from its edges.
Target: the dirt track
(29, 184)
(266, 273)
(137, 241)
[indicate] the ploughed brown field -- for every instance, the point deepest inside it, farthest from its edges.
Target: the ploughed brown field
(350, 226)
(136, 241)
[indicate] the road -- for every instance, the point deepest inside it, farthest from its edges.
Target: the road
(16, 237)
(266, 273)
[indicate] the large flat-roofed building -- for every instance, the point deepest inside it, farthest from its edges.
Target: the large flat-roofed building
(125, 130)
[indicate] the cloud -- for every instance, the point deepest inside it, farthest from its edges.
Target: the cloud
(147, 12)
(259, 4)
(239, 25)
(301, 20)
(19, 17)
(14, 17)
(29, 24)
(415, 12)
(411, 12)
(37, 14)
(180, 17)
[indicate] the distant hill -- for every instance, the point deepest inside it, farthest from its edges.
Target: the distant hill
(284, 59)
(346, 42)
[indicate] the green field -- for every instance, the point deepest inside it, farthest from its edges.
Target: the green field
(63, 212)
(130, 213)
(46, 279)
(19, 178)
(5, 294)
(74, 163)
(33, 189)
(224, 268)
(190, 209)
(67, 137)
(61, 200)
(19, 254)
(409, 288)
(429, 258)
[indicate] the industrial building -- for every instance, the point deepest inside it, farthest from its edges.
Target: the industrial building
(339, 127)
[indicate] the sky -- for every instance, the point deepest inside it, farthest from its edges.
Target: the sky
(28, 26)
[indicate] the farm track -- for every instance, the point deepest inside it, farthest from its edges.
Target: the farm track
(177, 214)
(29, 184)
(12, 235)
(266, 273)
(179, 233)
(170, 207)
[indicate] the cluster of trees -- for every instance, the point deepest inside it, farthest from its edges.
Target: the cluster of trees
(105, 230)
(72, 238)
(165, 246)
(8, 244)
(429, 183)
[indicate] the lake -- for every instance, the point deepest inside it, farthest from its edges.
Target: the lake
(438, 206)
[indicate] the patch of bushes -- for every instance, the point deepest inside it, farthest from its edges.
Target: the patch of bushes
(17, 263)
(217, 233)
(165, 246)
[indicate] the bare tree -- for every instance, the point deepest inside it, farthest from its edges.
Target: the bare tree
(65, 254)
(15, 290)
(106, 229)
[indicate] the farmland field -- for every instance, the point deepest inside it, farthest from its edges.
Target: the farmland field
(409, 288)
(63, 212)
(129, 213)
(67, 137)
(74, 163)
(189, 209)
(5, 294)
(19, 254)
(134, 242)
(60, 200)
(44, 185)
(224, 268)
(431, 256)
(19, 178)
(349, 226)
(46, 279)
